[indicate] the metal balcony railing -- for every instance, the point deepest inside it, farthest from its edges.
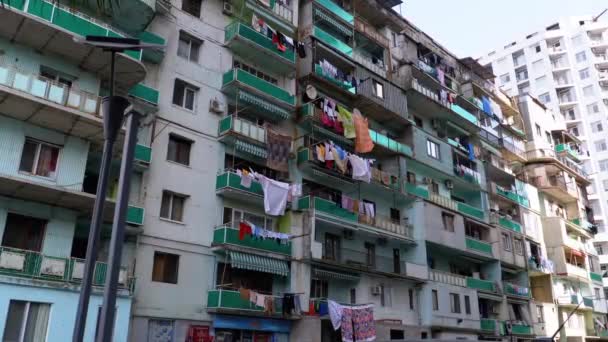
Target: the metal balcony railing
(369, 261)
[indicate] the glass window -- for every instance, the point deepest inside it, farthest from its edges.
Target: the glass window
(378, 89)
(600, 145)
(506, 242)
(603, 165)
(179, 150)
(584, 74)
(165, 267)
(544, 98)
(605, 183)
(597, 126)
(432, 149)
(506, 78)
(538, 130)
(26, 321)
(435, 298)
(467, 305)
(192, 7)
(519, 246)
(39, 158)
(188, 47)
(184, 94)
(23, 232)
(581, 57)
(455, 302)
(319, 288)
(540, 314)
(448, 222)
(593, 108)
(172, 206)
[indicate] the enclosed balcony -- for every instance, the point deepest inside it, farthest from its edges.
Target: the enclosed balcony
(228, 184)
(243, 40)
(228, 235)
(336, 11)
(230, 301)
(567, 150)
(243, 137)
(479, 246)
(238, 83)
(515, 290)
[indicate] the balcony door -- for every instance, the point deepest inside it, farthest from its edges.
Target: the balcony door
(332, 247)
(23, 232)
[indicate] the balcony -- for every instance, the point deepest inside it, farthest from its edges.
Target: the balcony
(596, 277)
(228, 184)
(447, 278)
(145, 94)
(576, 271)
(556, 187)
(243, 136)
(466, 173)
(491, 326)
(479, 246)
(332, 41)
(226, 235)
(337, 11)
(379, 224)
(481, 285)
(244, 40)
(582, 223)
(135, 215)
(365, 262)
(417, 190)
(509, 224)
(472, 211)
(516, 290)
(346, 86)
(230, 301)
(237, 80)
(465, 114)
(143, 155)
(63, 271)
(520, 329)
(568, 151)
(510, 195)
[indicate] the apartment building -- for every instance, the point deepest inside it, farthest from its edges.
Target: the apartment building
(448, 234)
(564, 65)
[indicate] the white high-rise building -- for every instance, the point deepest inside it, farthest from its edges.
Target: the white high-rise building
(565, 66)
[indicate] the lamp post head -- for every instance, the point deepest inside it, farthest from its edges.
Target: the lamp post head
(113, 109)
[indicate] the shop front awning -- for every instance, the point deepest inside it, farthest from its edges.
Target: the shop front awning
(271, 110)
(259, 263)
(325, 274)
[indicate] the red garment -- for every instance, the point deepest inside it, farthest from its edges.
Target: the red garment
(244, 229)
(338, 127)
(329, 164)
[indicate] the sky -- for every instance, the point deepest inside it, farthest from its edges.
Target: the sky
(475, 27)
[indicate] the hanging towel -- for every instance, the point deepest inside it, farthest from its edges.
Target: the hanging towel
(275, 195)
(346, 325)
(335, 314)
(361, 169)
(363, 141)
(279, 147)
(260, 300)
(369, 209)
(320, 152)
(471, 152)
(340, 162)
(284, 223)
(245, 293)
(363, 323)
(346, 118)
(246, 179)
(440, 76)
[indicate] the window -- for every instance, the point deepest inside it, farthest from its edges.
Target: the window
(541, 82)
(319, 288)
(26, 321)
(548, 137)
(165, 267)
(596, 293)
(518, 245)
(506, 242)
(255, 72)
(179, 150)
(38, 158)
(23, 232)
(536, 48)
(544, 98)
(605, 183)
(588, 91)
(172, 206)
(394, 38)
(332, 247)
(584, 74)
(540, 314)
(397, 335)
(353, 295)
(188, 47)
(597, 127)
(432, 149)
(418, 121)
(448, 222)
(435, 300)
(455, 302)
(593, 108)
(467, 305)
(184, 94)
(386, 296)
(56, 76)
(600, 145)
(538, 66)
(577, 40)
(378, 89)
(370, 254)
(506, 78)
(410, 294)
(192, 6)
(581, 57)
(538, 131)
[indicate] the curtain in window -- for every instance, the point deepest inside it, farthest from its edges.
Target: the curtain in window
(177, 209)
(47, 162)
(37, 322)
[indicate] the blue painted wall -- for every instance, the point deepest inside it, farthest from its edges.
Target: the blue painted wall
(63, 311)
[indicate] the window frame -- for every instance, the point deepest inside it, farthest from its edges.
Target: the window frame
(518, 246)
(163, 274)
(467, 305)
(200, 7)
(435, 299)
(179, 139)
(24, 320)
(444, 219)
(188, 88)
(36, 159)
(170, 212)
(507, 244)
(192, 42)
(455, 303)
(433, 148)
(378, 89)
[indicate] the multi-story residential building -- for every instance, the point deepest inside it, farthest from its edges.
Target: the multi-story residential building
(453, 235)
(565, 65)
(50, 142)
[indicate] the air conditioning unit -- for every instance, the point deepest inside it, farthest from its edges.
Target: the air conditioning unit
(376, 290)
(216, 106)
(349, 234)
(228, 8)
(449, 184)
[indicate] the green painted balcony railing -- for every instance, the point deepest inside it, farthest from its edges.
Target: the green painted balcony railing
(465, 114)
(230, 180)
(522, 200)
(520, 329)
(143, 154)
(417, 190)
(327, 207)
(479, 246)
(243, 77)
(231, 300)
(488, 325)
(145, 93)
(152, 55)
(478, 284)
(595, 277)
(566, 148)
(337, 10)
(135, 215)
(344, 85)
(237, 30)
(516, 290)
(512, 225)
(34, 265)
(581, 223)
(588, 302)
(332, 41)
(390, 144)
(471, 211)
(226, 235)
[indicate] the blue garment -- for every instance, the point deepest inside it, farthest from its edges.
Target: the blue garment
(471, 152)
(341, 152)
(487, 106)
(323, 309)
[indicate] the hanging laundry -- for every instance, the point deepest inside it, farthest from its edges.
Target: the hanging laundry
(487, 107)
(260, 300)
(284, 223)
(301, 48)
(265, 2)
(323, 309)
(440, 76)
(335, 314)
(279, 147)
(346, 325)
(245, 294)
(340, 159)
(295, 191)
(364, 325)
(361, 168)
(369, 209)
(320, 151)
(346, 118)
(275, 195)
(269, 305)
(363, 141)
(244, 230)
(253, 297)
(246, 178)
(256, 23)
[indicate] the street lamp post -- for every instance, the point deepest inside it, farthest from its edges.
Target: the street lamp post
(113, 111)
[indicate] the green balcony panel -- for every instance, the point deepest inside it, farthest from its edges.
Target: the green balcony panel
(244, 41)
(465, 114)
(333, 41)
(333, 209)
(344, 85)
(479, 246)
(135, 215)
(478, 284)
(152, 55)
(225, 299)
(230, 236)
(595, 277)
(230, 180)
(488, 325)
(143, 154)
(417, 190)
(471, 211)
(337, 10)
(505, 223)
(237, 78)
(519, 329)
(145, 93)
(588, 302)
(566, 148)
(516, 290)
(390, 144)
(16, 4)
(243, 136)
